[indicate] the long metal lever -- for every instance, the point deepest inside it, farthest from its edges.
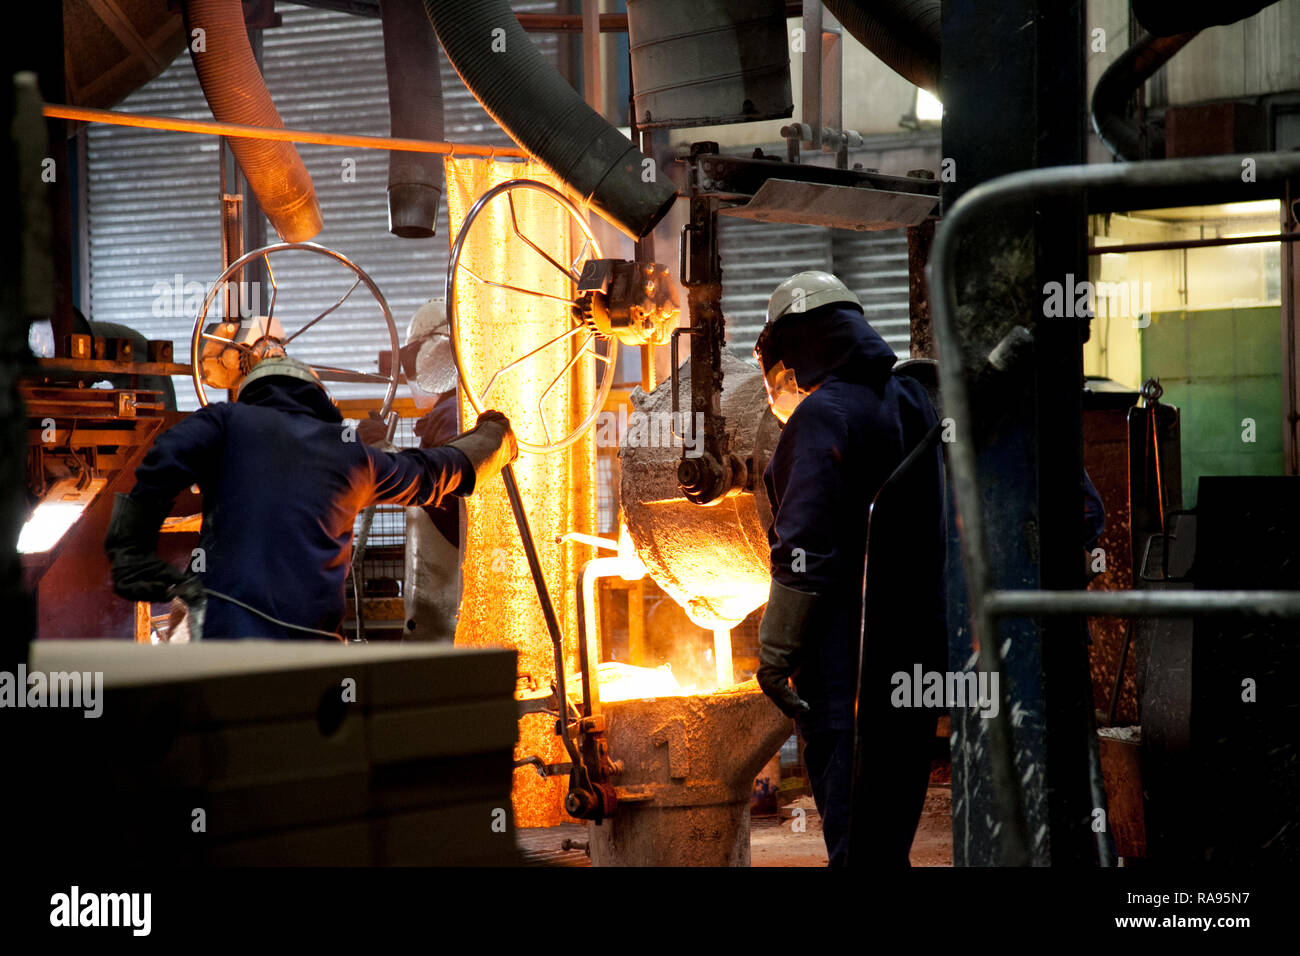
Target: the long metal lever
(548, 609)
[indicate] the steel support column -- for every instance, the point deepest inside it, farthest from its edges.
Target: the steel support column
(1013, 88)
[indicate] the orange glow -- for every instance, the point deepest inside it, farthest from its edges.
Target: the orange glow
(620, 681)
(499, 605)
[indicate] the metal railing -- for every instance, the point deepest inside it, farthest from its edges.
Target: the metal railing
(1105, 184)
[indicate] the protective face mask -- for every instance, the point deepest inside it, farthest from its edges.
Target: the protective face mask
(785, 405)
(783, 392)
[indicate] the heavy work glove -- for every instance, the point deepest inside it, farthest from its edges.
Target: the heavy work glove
(490, 445)
(373, 431)
(780, 640)
(132, 543)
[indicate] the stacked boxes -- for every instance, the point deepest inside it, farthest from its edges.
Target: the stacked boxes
(265, 753)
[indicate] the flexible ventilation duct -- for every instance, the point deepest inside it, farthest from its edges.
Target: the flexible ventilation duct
(540, 110)
(905, 35)
(236, 93)
(1135, 66)
(1165, 18)
(415, 112)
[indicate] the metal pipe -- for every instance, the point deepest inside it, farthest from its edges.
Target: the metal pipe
(233, 86)
(1110, 97)
(1169, 244)
(609, 22)
(174, 124)
(810, 110)
(589, 612)
(1107, 183)
(591, 54)
(414, 111)
(588, 618)
(595, 541)
(1143, 603)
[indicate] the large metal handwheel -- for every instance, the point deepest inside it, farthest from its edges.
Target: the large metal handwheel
(569, 324)
(326, 372)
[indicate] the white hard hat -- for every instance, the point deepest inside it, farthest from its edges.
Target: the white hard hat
(805, 291)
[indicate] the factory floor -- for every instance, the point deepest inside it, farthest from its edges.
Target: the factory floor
(772, 842)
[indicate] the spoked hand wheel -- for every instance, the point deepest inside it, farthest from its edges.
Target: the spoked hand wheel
(565, 326)
(224, 353)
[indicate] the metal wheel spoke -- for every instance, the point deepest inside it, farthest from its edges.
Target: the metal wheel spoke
(514, 288)
(524, 358)
(361, 376)
(275, 289)
(556, 381)
(356, 282)
(607, 357)
(514, 224)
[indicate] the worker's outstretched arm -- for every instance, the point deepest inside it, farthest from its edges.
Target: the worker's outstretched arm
(424, 476)
(182, 456)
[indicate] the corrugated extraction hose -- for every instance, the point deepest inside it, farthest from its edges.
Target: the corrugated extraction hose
(1165, 18)
(905, 35)
(540, 110)
(236, 93)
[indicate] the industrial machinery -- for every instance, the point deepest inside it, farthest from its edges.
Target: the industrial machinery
(90, 421)
(765, 188)
(695, 511)
(650, 756)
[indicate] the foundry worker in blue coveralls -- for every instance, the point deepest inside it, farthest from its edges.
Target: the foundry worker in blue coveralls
(431, 580)
(849, 421)
(283, 478)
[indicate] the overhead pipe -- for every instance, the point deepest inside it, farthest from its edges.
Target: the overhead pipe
(1166, 18)
(1121, 135)
(534, 104)
(277, 134)
(415, 112)
(236, 93)
(905, 35)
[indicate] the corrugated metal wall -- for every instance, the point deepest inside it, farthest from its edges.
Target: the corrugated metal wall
(874, 265)
(153, 216)
(153, 206)
(756, 256)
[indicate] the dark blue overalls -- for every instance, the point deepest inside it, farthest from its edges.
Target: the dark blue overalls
(839, 446)
(283, 481)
